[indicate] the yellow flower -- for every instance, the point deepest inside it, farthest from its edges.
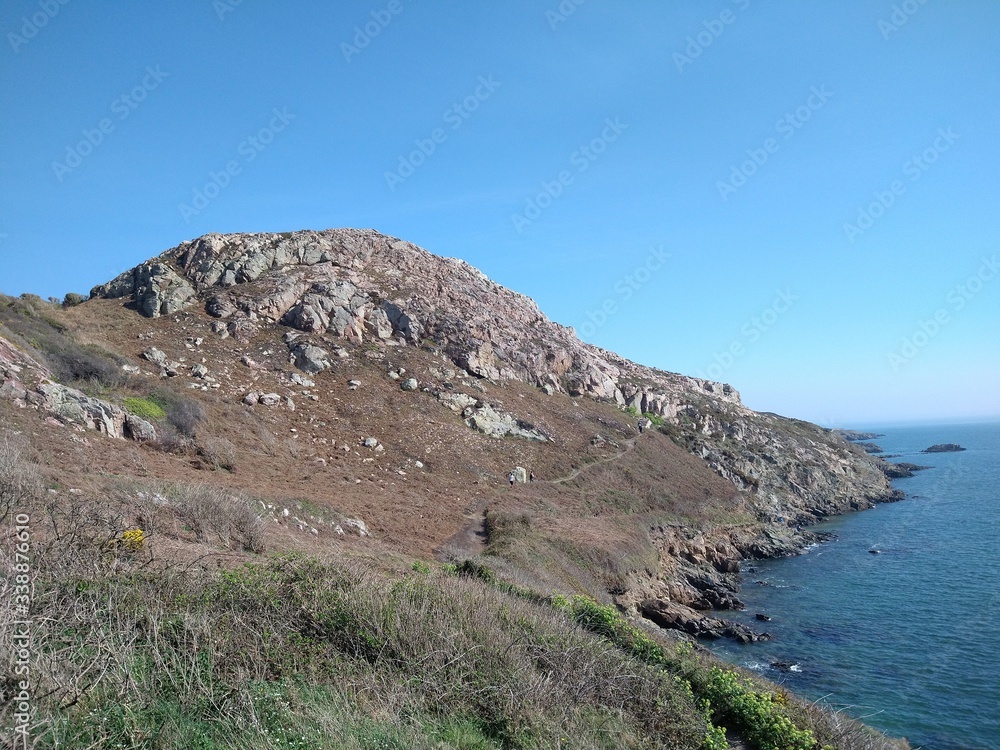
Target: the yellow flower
(133, 540)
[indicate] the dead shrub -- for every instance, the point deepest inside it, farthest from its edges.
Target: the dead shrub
(20, 482)
(219, 452)
(214, 514)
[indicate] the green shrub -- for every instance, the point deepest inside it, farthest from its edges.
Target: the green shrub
(756, 713)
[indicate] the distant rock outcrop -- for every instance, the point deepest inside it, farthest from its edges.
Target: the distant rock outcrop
(944, 448)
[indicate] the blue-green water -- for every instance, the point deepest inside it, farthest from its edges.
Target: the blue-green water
(908, 639)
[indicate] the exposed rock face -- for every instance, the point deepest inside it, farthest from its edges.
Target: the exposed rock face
(155, 287)
(901, 470)
(489, 421)
(25, 382)
(675, 616)
(359, 285)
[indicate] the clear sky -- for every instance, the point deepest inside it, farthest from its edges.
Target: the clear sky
(798, 198)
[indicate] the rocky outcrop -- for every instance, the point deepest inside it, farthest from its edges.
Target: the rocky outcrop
(155, 288)
(361, 285)
(75, 407)
(487, 420)
(674, 616)
(901, 470)
(26, 383)
(854, 435)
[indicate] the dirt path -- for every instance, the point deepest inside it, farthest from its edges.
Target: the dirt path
(470, 540)
(629, 444)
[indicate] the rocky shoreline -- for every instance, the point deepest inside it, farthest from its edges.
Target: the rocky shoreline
(710, 571)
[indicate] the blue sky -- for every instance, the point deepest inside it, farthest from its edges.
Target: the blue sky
(800, 199)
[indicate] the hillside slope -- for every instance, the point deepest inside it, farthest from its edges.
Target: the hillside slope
(346, 395)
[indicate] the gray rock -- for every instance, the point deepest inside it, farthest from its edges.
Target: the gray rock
(155, 356)
(155, 287)
(269, 399)
(370, 442)
(199, 370)
(76, 407)
(457, 402)
(357, 526)
(487, 420)
(309, 358)
(410, 384)
(139, 429)
(252, 398)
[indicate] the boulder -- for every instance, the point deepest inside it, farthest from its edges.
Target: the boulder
(487, 420)
(309, 358)
(410, 384)
(139, 429)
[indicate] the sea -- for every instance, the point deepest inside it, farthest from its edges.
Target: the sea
(896, 621)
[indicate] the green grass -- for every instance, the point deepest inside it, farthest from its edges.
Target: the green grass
(148, 408)
(295, 653)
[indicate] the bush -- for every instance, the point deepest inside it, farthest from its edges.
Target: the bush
(213, 514)
(72, 299)
(756, 713)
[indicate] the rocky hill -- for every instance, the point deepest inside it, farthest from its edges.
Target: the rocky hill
(341, 295)
(347, 393)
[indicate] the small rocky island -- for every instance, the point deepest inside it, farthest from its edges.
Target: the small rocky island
(944, 448)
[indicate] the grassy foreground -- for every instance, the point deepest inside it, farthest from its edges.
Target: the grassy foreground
(292, 652)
